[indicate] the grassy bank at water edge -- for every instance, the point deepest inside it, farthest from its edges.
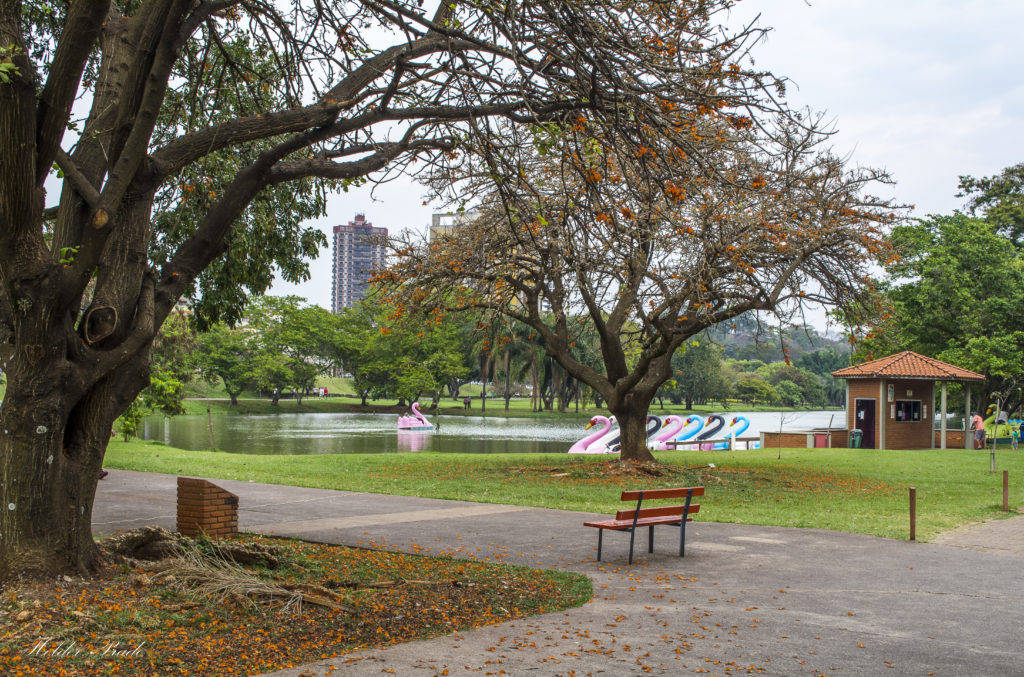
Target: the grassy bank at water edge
(855, 490)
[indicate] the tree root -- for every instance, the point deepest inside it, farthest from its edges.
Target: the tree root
(157, 543)
(208, 574)
(646, 468)
(215, 569)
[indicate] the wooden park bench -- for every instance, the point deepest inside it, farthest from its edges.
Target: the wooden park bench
(630, 520)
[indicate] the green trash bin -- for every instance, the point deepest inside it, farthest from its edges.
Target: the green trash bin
(855, 437)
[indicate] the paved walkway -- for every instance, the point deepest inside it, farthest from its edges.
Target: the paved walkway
(1000, 536)
(759, 600)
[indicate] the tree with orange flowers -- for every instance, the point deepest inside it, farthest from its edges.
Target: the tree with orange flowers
(704, 200)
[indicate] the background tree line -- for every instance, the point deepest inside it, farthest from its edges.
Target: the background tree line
(738, 365)
(282, 345)
(954, 290)
(969, 262)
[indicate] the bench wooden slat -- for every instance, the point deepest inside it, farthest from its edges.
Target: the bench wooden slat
(657, 494)
(659, 511)
(620, 525)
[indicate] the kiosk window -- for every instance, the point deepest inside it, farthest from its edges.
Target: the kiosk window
(908, 410)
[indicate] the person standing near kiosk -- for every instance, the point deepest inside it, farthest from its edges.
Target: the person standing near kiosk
(978, 426)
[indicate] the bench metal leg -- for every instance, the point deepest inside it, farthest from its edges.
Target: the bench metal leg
(650, 538)
(632, 536)
(682, 523)
(600, 535)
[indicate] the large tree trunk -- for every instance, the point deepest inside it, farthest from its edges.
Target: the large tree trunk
(66, 387)
(48, 486)
(631, 414)
(51, 454)
(629, 400)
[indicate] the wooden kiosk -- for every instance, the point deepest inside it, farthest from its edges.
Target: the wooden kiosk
(892, 402)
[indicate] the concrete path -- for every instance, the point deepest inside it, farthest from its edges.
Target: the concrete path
(1000, 536)
(744, 600)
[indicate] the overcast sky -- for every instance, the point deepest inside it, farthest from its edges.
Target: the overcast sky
(926, 89)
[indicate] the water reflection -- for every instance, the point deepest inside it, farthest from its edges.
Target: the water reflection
(362, 433)
(413, 440)
(377, 433)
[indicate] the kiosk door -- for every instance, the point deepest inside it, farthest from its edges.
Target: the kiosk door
(864, 420)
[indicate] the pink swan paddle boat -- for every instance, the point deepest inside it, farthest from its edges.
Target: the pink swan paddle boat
(660, 441)
(584, 445)
(416, 421)
(689, 432)
(606, 444)
(653, 426)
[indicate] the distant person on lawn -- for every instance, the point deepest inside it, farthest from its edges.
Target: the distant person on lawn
(978, 426)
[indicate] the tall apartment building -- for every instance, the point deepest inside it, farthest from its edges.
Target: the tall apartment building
(357, 251)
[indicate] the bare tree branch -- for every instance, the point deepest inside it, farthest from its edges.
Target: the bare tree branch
(82, 29)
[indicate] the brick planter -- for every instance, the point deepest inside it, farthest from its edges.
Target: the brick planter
(205, 508)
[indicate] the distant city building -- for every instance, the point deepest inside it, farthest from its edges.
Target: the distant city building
(358, 249)
(443, 223)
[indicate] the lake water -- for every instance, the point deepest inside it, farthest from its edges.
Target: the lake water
(377, 433)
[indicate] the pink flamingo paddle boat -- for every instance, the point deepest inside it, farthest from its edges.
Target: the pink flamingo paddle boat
(607, 443)
(587, 444)
(673, 424)
(415, 421)
(689, 431)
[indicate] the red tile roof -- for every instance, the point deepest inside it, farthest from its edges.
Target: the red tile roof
(909, 365)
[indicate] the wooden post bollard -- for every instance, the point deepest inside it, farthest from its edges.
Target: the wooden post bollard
(913, 513)
(1006, 491)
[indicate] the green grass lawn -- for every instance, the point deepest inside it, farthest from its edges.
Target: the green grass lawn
(860, 491)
